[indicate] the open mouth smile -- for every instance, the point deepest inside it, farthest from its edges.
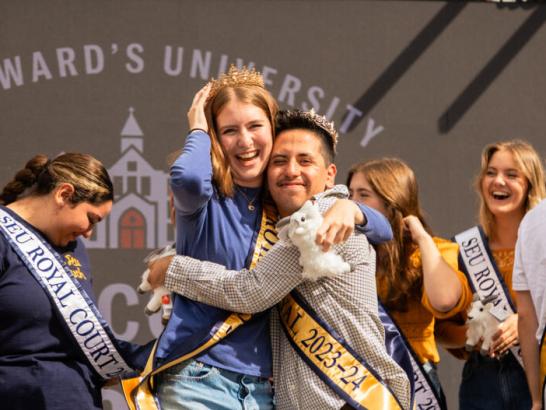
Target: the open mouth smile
(248, 156)
(499, 195)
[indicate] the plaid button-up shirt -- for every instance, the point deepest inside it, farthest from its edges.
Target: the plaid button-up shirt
(348, 303)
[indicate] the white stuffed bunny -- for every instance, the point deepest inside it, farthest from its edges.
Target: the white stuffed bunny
(301, 231)
(161, 297)
(481, 324)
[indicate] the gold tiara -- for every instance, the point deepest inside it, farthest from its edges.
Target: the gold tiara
(236, 77)
(319, 120)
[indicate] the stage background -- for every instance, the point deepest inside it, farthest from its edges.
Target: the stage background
(431, 82)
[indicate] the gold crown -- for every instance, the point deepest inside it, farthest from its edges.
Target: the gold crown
(236, 77)
(320, 121)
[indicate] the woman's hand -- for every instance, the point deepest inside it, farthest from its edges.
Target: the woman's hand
(416, 229)
(505, 337)
(196, 114)
(338, 223)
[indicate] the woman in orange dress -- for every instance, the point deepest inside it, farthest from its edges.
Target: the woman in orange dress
(418, 280)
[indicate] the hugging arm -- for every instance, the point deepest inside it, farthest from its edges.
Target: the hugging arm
(344, 216)
(244, 291)
(376, 227)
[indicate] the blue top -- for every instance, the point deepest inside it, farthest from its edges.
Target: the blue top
(222, 230)
(377, 228)
(41, 366)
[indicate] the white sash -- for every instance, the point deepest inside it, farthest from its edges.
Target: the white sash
(80, 315)
(486, 280)
(424, 393)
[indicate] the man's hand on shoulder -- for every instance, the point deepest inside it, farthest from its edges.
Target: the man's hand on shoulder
(338, 224)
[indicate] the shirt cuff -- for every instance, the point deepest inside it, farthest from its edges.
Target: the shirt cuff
(178, 273)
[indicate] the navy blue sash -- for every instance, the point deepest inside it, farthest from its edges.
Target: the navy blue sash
(423, 393)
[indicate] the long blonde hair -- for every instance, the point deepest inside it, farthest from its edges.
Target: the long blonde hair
(529, 164)
(249, 94)
(395, 183)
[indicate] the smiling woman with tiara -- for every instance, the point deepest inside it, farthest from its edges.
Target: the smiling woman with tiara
(223, 216)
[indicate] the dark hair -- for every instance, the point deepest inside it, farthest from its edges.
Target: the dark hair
(296, 119)
(40, 176)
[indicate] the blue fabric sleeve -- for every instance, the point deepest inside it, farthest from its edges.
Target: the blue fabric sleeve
(191, 174)
(377, 227)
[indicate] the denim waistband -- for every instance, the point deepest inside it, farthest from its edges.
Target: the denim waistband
(231, 374)
(234, 376)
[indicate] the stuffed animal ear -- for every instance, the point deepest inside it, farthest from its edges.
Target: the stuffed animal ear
(314, 210)
(282, 229)
(306, 206)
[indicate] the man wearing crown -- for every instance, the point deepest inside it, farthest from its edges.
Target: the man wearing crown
(327, 339)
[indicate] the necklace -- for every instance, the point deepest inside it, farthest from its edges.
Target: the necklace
(250, 202)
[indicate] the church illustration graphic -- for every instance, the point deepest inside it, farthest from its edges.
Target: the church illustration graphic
(140, 215)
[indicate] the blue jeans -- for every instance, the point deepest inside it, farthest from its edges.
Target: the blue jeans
(193, 385)
(493, 384)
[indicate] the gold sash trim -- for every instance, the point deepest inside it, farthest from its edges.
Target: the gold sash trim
(332, 359)
(139, 391)
(267, 236)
